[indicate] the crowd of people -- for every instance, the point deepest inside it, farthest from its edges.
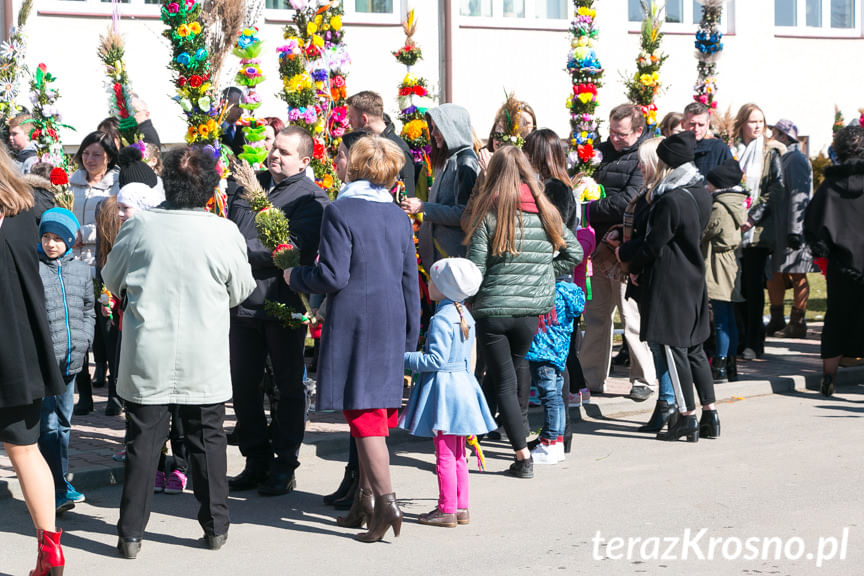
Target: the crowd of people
(509, 266)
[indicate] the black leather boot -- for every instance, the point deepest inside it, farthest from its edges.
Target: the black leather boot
(386, 514)
(709, 424)
(662, 412)
(685, 426)
(732, 368)
(718, 370)
(348, 478)
(253, 474)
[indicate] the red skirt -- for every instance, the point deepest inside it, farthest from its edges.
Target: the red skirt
(371, 421)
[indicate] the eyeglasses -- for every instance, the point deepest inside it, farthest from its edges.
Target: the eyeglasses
(616, 134)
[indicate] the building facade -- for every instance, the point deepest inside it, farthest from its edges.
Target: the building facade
(795, 58)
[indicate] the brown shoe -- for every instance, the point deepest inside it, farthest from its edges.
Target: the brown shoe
(438, 518)
(360, 512)
(385, 515)
(463, 516)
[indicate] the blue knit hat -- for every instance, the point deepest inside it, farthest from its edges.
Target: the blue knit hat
(61, 222)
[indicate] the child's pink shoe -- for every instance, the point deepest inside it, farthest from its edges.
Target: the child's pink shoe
(176, 483)
(159, 484)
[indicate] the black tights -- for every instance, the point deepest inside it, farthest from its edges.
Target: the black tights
(505, 341)
(693, 368)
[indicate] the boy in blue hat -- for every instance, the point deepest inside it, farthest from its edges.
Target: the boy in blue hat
(69, 303)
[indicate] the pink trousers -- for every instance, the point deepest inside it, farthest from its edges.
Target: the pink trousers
(452, 470)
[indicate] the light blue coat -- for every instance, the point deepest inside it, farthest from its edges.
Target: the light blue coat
(446, 396)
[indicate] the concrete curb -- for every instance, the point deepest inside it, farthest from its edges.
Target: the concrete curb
(335, 444)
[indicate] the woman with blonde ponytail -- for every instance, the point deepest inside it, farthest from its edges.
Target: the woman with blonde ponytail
(516, 238)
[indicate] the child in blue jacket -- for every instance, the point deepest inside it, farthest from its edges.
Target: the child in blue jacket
(69, 303)
(547, 359)
(447, 403)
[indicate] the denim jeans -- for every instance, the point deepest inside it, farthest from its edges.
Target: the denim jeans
(54, 431)
(549, 382)
(726, 342)
(666, 392)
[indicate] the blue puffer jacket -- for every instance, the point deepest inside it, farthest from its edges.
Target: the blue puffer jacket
(552, 342)
(69, 301)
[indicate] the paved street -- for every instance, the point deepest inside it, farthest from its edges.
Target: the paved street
(786, 466)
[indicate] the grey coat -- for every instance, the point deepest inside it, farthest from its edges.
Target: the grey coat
(441, 235)
(798, 181)
(69, 303)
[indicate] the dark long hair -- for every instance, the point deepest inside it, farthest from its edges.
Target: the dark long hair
(546, 153)
(437, 155)
(105, 140)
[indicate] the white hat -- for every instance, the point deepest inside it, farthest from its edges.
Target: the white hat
(141, 195)
(456, 278)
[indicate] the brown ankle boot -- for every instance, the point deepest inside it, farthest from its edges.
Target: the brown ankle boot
(361, 511)
(797, 327)
(777, 321)
(385, 515)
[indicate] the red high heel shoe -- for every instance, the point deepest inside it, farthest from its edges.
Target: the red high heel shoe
(50, 560)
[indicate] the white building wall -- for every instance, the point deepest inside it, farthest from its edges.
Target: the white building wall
(799, 78)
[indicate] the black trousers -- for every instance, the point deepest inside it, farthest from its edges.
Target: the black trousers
(505, 342)
(692, 365)
(251, 341)
(207, 453)
(753, 263)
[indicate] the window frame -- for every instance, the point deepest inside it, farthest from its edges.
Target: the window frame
(801, 30)
(132, 9)
(394, 18)
(527, 22)
(727, 23)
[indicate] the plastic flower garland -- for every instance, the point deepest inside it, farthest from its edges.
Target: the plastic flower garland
(709, 45)
(191, 65)
(12, 66)
(645, 84)
(112, 52)
(413, 96)
(586, 74)
(312, 53)
(46, 121)
(248, 48)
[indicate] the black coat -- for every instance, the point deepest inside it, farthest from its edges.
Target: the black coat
(621, 179)
(833, 219)
(561, 195)
(28, 371)
(406, 174)
(674, 300)
(710, 153)
(303, 203)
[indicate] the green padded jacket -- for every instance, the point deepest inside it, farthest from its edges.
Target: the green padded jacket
(520, 284)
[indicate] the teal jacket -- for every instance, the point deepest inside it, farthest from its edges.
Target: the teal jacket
(520, 284)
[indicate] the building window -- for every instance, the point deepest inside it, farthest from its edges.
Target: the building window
(832, 17)
(682, 15)
(356, 11)
(373, 6)
(518, 13)
(99, 7)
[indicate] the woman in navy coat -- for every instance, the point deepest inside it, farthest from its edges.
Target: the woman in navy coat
(368, 268)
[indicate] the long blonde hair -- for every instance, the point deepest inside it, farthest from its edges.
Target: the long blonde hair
(107, 227)
(743, 117)
(501, 194)
(15, 194)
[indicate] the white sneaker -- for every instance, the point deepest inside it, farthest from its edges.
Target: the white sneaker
(559, 450)
(748, 354)
(547, 453)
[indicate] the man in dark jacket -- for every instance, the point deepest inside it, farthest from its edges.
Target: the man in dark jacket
(254, 335)
(621, 178)
(366, 112)
(710, 152)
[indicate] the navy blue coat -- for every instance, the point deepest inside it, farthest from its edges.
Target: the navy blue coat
(368, 269)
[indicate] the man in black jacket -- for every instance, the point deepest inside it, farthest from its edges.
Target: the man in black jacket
(621, 178)
(366, 112)
(710, 152)
(254, 335)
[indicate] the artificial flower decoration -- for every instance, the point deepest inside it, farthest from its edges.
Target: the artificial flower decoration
(46, 119)
(112, 51)
(413, 96)
(13, 66)
(709, 45)
(586, 75)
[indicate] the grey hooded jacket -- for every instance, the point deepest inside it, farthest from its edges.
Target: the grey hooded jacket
(441, 235)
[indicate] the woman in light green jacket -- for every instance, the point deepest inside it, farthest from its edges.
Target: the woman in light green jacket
(179, 269)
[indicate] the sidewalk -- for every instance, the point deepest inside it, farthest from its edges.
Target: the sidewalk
(786, 366)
